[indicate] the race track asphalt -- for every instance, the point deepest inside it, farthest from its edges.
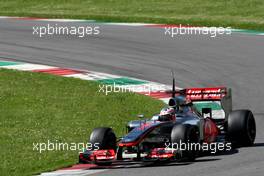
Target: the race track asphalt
(235, 61)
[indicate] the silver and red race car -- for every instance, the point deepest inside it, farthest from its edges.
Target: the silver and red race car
(194, 117)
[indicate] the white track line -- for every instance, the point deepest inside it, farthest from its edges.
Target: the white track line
(28, 67)
(93, 76)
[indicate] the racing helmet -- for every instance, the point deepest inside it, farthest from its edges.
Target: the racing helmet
(181, 103)
(167, 114)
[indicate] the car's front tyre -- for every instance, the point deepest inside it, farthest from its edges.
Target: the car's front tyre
(185, 134)
(103, 138)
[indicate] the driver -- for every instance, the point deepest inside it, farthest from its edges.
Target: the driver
(182, 104)
(167, 114)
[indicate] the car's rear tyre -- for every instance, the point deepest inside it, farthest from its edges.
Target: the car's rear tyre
(185, 134)
(241, 128)
(103, 138)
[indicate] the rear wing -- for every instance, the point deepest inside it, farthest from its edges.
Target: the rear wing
(219, 94)
(203, 94)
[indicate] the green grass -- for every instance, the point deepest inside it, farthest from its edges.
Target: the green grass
(38, 107)
(235, 13)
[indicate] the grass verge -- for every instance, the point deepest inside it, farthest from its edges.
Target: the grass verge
(38, 107)
(233, 13)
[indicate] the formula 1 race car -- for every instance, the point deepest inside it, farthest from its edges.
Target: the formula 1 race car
(197, 116)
